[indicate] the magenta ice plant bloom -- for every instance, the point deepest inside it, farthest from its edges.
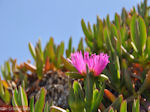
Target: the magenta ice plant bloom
(95, 63)
(78, 62)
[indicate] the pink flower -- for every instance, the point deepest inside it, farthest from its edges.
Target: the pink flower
(95, 63)
(78, 62)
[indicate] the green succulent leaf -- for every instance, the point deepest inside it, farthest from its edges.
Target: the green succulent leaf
(128, 81)
(76, 99)
(124, 15)
(39, 63)
(80, 45)
(15, 98)
(107, 40)
(39, 105)
(97, 98)
(100, 38)
(51, 51)
(89, 43)
(6, 96)
(87, 33)
(117, 21)
(138, 33)
(111, 109)
(123, 107)
(148, 46)
(136, 106)
(78, 92)
(89, 83)
(69, 50)
(2, 92)
(46, 108)
(68, 65)
(70, 44)
(116, 104)
(74, 75)
(32, 51)
(103, 78)
(32, 104)
(24, 99)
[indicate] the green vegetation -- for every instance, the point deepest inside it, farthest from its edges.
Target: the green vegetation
(123, 85)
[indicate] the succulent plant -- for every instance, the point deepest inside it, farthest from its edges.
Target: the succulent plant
(20, 100)
(126, 40)
(122, 86)
(4, 92)
(48, 59)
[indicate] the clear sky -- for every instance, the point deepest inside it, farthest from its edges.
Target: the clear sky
(23, 21)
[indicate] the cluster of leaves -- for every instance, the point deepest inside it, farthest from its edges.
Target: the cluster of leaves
(4, 93)
(126, 39)
(50, 57)
(20, 102)
(93, 103)
(90, 100)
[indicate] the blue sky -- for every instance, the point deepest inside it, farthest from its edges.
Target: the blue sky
(23, 21)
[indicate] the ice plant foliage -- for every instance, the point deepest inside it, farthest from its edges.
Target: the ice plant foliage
(95, 63)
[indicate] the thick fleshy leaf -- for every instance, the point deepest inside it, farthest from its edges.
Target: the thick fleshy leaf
(89, 43)
(136, 106)
(138, 33)
(39, 106)
(123, 107)
(89, 83)
(116, 104)
(111, 109)
(56, 109)
(1, 87)
(68, 65)
(109, 95)
(69, 50)
(117, 21)
(59, 53)
(70, 44)
(24, 99)
(117, 64)
(32, 51)
(51, 51)
(107, 40)
(76, 99)
(6, 97)
(126, 75)
(80, 45)
(15, 100)
(100, 39)
(146, 84)
(74, 75)
(148, 46)
(79, 96)
(30, 67)
(87, 33)
(32, 104)
(39, 63)
(71, 100)
(15, 97)
(97, 98)
(103, 78)
(46, 108)
(124, 15)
